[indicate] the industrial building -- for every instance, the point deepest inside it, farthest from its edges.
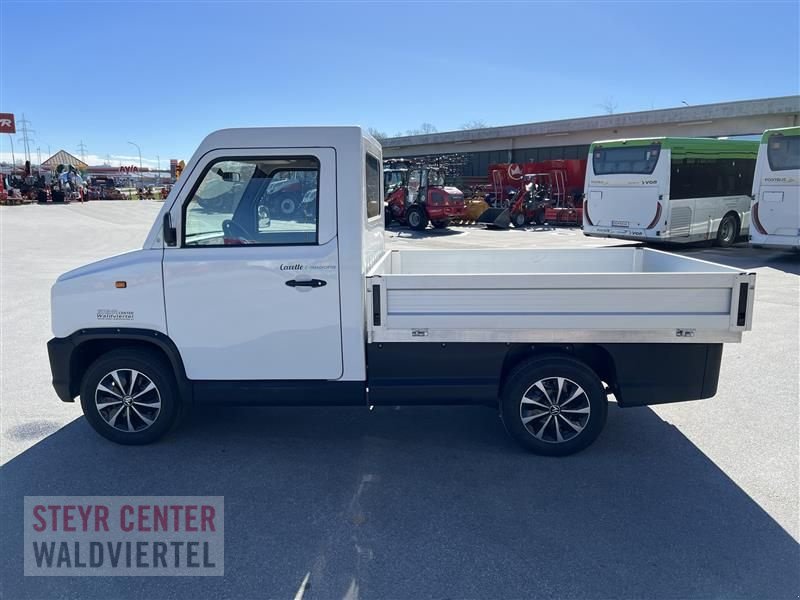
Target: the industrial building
(476, 149)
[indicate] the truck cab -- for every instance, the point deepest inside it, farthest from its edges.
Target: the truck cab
(233, 303)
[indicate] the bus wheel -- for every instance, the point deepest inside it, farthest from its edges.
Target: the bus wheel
(728, 230)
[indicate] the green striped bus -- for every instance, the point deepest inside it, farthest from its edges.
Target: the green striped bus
(666, 189)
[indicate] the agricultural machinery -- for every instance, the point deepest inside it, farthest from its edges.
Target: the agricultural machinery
(417, 195)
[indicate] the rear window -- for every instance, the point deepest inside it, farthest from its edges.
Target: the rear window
(783, 153)
(639, 160)
(373, 187)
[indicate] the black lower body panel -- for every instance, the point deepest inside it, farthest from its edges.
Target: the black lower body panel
(471, 373)
(663, 373)
(280, 393)
(59, 351)
(432, 373)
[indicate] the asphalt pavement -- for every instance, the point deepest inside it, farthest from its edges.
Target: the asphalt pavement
(691, 500)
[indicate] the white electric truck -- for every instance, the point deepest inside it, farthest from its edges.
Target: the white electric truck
(230, 303)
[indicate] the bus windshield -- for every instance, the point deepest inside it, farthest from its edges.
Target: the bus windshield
(639, 160)
(783, 153)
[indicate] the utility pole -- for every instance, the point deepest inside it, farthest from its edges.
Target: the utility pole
(26, 138)
(82, 150)
(39, 160)
(158, 171)
(141, 175)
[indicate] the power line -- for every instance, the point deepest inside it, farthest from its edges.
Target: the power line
(82, 150)
(26, 138)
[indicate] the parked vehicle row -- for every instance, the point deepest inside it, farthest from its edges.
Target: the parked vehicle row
(683, 190)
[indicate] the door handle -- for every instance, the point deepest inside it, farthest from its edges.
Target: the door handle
(312, 283)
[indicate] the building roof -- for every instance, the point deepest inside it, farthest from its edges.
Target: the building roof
(685, 114)
(62, 157)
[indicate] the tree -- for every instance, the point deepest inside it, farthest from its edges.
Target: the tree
(475, 124)
(609, 105)
(377, 134)
(423, 129)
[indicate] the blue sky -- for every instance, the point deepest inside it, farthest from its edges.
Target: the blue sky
(165, 74)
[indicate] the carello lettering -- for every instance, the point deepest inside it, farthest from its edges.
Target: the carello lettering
(291, 267)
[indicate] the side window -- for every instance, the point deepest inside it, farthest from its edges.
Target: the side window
(254, 201)
(373, 186)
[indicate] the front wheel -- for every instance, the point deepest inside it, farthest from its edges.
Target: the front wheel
(416, 218)
(727, 232)
(519, 220)
(129, 396)
(286, 205)
(553, 406)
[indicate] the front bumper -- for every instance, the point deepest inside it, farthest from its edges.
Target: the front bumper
(59, 350)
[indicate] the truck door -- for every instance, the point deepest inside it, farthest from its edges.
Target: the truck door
(252, 293)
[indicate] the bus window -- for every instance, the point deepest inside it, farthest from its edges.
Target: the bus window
(783, 153)
(639, 160)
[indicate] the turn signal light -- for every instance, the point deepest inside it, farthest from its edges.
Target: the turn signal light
(120, 284)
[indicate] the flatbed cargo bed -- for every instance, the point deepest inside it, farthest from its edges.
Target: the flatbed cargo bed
(603, 295)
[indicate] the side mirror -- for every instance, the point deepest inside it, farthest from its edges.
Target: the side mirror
(170, 233)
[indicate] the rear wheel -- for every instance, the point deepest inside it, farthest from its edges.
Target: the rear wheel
(129, 396)
(519, 220)
(553, 406)
(416, 218)
(728, 230)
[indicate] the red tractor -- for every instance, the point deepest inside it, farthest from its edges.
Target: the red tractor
(530, 202)
(418, 195)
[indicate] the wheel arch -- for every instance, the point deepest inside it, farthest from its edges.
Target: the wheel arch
(594, 356)
(90, 344)
(737, 218)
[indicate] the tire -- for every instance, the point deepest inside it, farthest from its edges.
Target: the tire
(387, 216)
(529, 415)
(159, 404)
(416, 218)
(286, 205)
(441, 224)
(519, 220)
(728, 231)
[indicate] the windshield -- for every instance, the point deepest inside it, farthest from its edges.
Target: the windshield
(393, 179)
(640, 160)
(435, 178)
(783, 153)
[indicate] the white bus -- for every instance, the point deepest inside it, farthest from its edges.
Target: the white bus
(776, 190)
(674, 190)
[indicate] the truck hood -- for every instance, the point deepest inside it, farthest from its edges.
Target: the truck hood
(105, 264)
(88, 297)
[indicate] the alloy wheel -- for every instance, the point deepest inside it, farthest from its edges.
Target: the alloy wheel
(127, 400)
(555, 410)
